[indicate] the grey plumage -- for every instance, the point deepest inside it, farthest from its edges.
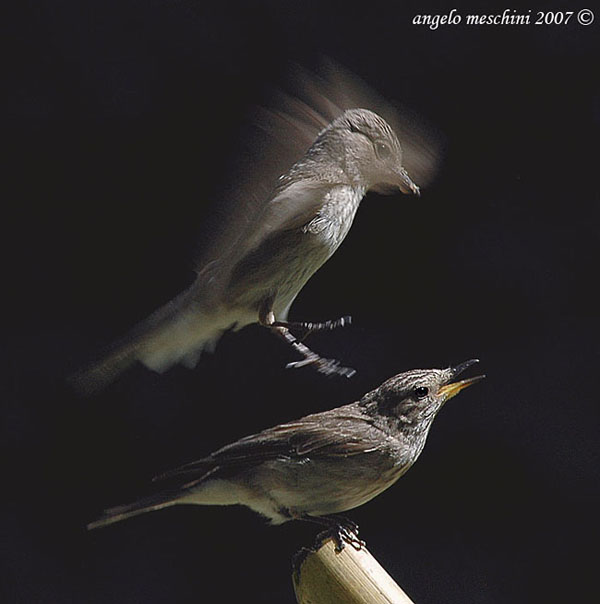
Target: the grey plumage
(319, 465)
(279, 231)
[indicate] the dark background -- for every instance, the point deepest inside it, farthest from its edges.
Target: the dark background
(118, 119)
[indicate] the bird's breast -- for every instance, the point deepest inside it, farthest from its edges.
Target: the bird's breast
(333, 221)
(283, 263)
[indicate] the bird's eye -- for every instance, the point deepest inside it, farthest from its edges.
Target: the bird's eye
(382, 149)
(421, 392)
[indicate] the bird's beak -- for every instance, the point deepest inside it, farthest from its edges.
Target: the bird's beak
(450, 390)
(406, 184)
(462, 367)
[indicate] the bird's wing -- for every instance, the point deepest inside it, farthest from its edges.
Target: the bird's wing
(322, 435)
(338, 434)
(270, 142)
(291, 208)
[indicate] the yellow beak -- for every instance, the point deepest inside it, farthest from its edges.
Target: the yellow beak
(450, 390)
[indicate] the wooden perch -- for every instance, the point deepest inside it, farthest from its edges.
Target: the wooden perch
(352, 576)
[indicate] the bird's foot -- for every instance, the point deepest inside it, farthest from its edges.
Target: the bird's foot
(324, 366)
(348, 531)
(342, 534)
(306, 327)
(342, 530)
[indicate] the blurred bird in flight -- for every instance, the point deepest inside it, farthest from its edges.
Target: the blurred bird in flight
(290, 203)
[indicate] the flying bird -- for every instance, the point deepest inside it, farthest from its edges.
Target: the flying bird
(320, 465)
(296, 191)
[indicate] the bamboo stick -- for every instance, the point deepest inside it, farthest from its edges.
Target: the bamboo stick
(351, 576)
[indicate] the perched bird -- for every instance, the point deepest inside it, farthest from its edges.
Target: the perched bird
(277, 232)
(319, 465)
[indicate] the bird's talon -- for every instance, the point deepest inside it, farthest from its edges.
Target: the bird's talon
(324, 366)
(349, 525)
(358, 544)
(299, 364)
(333, 367)
(342, 535)
(308, 328)
(350, 535)
(344, 531)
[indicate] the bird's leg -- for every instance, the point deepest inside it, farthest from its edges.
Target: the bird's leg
(326, 366)
(342, 530)
(309, 328)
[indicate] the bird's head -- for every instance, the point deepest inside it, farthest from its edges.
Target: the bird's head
(415, 397)
(371, 151)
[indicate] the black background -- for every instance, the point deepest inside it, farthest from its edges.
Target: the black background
(118, 120)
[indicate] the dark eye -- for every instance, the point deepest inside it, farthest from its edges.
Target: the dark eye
(421, 392)
(382, 149)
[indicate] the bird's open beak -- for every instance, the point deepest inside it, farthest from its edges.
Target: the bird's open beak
(406, 184)
(450, 390)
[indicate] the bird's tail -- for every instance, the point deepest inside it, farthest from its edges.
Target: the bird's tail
(147, 504)
(177, 333)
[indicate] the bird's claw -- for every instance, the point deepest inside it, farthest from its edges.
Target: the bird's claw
(324, 366)
(348, 524)
(326, 326)
(306, 328)
(345, 532)
(350, 537)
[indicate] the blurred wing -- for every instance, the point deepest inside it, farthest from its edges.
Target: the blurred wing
(270, 143)
(291, 208)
